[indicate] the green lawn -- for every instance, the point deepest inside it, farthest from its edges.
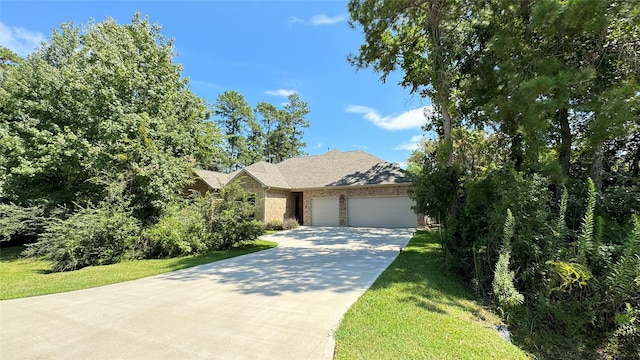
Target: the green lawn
(415, 310)
(22, 277)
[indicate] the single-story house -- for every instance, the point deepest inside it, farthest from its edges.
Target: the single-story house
(351, 188)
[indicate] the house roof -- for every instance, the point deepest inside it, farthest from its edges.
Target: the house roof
(334, 168)
(213, 178)
(266, 173)
(337, 168)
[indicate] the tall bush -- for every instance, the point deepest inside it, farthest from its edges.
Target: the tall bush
(17, 220)
(503, 287)
(94, 235)
(181, 230)
(231, 217)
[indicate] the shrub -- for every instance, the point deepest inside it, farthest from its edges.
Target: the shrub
(274, 225)
(503, 287)
(181, 230)
(625, 343)
(290, 223)
(228, 217)
(250, 230)
(91, 236)
(19, 221)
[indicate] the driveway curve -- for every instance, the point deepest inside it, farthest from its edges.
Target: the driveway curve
(282, 303)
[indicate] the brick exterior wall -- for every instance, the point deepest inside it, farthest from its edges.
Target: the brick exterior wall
(200, 186)
(277, 204)
(271, 204)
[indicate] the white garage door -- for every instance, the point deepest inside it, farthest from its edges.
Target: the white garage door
(391, 212)
(324, 212)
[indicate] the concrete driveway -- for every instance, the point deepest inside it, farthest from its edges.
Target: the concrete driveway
(282, 303)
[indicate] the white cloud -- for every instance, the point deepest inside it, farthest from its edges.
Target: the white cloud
(19, 40)
(411, 119)
(280, 92)
(322, 19)
(411, 144)
(318, 20)
(294, 20)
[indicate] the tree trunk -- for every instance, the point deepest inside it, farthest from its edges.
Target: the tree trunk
(565, 141)
(596, 166)
(635, 162)
(516, 155)
(446, 129)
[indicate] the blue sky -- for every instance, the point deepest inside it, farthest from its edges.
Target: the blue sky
(264, 50)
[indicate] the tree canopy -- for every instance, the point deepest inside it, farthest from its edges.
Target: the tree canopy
(264, 134)
(98, 104)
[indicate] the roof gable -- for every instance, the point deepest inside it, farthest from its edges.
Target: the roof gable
(214, 179)
(266, 174)
(337, 168)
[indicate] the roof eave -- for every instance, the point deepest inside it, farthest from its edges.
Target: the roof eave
(350, 186)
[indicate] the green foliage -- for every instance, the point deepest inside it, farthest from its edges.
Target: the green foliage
(230, 217)
(103, 99)
(19, 221)
(567, 276)
(181, 230)
(274, 225)
(622, 283)
(435, 190)
(556, 82)
(503, 287)
(585, 238)
(287, 224)
(95, 235)
(275, 138)
(234, 116)
(561, 225)
(626, 338)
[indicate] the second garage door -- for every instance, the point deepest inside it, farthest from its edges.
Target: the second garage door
(393, 212)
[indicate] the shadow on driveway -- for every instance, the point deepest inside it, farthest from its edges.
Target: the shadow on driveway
(306, 259)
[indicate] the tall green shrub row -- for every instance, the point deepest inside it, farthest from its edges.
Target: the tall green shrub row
(552, 260)
(108, 232)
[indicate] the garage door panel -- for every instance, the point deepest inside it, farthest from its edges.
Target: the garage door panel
(381, 212)
(325, 212)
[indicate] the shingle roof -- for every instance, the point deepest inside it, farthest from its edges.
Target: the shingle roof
(334, 168)
(213, 178)
(268, 174)
(337, 168)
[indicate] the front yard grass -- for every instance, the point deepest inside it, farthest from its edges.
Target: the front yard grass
(416, 310)
(22, 277)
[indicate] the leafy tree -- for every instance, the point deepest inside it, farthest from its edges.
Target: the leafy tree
(234, 116)
(292, 123)
(102, 102)
(283, 128)
(549, 74)
(255, 143)
(8, 58)
(423, 39)
(272, 138)
(554, 87)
